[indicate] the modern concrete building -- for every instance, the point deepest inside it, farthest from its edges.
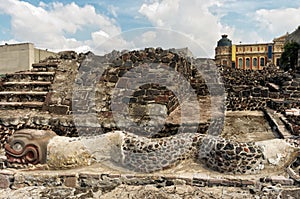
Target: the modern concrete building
(20, 57)
(249, 56)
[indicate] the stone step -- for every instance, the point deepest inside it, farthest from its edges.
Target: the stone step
(45, 65)
(22, 104)
(46, 73)
(279, 126)
(38, 83)
(30, 76)
(26, 86)
(23, 92)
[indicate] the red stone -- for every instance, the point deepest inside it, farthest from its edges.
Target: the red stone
(246, 150)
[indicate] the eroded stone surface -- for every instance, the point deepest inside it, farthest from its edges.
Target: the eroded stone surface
(66, 153)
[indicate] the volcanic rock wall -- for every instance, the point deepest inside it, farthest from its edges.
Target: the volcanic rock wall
(254, 90)
(145, 80)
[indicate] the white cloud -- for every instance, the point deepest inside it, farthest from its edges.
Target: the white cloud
(277, 21)
(50, 25)
(179, 23)
(11, 41)
(192, 18)
(113, 10)
(148, 36)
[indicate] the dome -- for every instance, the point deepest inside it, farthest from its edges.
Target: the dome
(224, 41)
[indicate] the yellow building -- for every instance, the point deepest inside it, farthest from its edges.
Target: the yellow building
(249, 56)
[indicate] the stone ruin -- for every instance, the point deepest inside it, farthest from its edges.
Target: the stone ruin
(61, 110)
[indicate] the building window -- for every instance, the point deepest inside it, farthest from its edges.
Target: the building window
(248, 63)
(255, 62)
(240, 63)
(225, 63)
(262, 61)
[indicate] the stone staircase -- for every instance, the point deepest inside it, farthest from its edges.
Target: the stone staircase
(27, 89)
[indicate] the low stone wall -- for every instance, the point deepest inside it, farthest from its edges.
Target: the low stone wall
(294, 124)
(281, 105)
(254, 90)
(105, 180)
(110, 185)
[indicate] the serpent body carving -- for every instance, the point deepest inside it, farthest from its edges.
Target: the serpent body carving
(149, 154)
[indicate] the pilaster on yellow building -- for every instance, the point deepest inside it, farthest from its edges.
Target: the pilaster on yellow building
(249, 56)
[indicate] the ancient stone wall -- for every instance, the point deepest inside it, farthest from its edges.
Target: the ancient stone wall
(59, 99)
(145, 80)
(254, 90)
(294, 122)
(16, 120)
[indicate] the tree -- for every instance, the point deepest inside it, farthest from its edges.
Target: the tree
(289, 57)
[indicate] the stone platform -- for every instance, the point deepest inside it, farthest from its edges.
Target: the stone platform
(100, 181)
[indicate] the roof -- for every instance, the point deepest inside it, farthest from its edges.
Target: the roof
(16, 44)
(224, 41)
(281, 38)
(294, 36)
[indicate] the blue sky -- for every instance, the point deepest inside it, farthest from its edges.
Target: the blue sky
(101, 26)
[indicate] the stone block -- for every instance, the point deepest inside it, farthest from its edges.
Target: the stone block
(256, 90)
(70, 181)
(200, 180)
(113, 79)
(139, 93)
(282, 180)
(256, 94)
(162, 99)
(274, 95)
(59, 109)
(291, 88)
(5, 181)
(246, 93)
(294, 83)
(215, 181)
(291, 193)
(152, 92)
(264, 93)
(247, 182)
(122, 83)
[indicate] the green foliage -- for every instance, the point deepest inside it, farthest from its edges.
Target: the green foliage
(289, 57)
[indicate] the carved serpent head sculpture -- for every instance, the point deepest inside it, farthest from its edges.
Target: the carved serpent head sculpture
(28, 146)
